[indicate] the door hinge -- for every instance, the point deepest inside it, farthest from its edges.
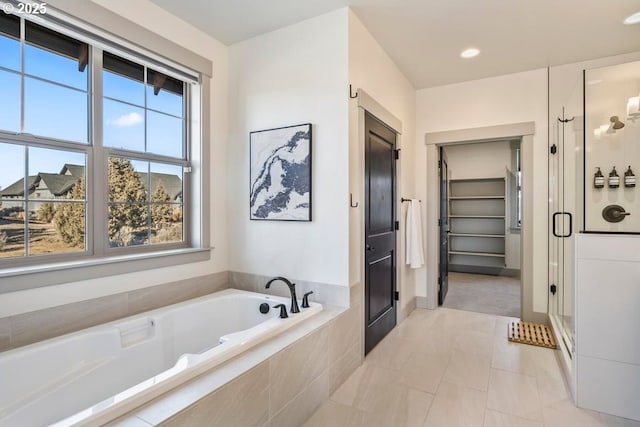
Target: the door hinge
(439, 164)
(397, 296)
(554, 149)
(439, 280)
(396, 154)
(553, 289)
(439, 222)
(397, 225)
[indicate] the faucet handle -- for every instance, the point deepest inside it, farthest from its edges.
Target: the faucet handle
(305, 299)
(283, 310)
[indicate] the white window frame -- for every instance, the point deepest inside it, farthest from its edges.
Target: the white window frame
(98, 259)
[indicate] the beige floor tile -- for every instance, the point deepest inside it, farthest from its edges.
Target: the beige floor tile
(513, 357)
(502, 325)
(471, 370)
(333, 414)
(392, 352)
(474, 343)
(479, 322)
(477, 376)
(552, 387)
(498, 419)
(565, 414)
(455, 406)
(514, 394)
(406, 409)
(425, 371)
(611, 421)
(369, 387)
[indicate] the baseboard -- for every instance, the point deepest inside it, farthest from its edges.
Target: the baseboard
(421, 302)
(405, 311)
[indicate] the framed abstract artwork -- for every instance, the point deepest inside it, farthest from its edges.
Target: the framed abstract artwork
(280, 171)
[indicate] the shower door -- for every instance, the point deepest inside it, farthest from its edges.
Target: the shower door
(565, 206)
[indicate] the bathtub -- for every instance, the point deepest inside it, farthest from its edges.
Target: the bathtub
(95, 375)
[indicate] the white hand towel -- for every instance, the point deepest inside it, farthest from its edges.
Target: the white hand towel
(414, 252)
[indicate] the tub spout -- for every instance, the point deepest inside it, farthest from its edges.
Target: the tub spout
(292, 290)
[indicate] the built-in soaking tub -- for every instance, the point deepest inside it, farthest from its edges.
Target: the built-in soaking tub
(97, 374)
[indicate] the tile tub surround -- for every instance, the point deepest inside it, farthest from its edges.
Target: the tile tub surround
(325, 294)
(432, 371)
(279, 383)
(28, 328)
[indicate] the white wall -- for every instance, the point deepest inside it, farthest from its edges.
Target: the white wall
(488, 160)
(159, 21)
(479, 160)
(371, 69)
(513, 98)
(297, 74)
(619, 149)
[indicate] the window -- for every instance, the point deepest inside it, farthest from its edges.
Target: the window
(94, 149)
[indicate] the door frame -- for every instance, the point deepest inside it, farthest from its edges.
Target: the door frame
(365, 103)
(523, 130)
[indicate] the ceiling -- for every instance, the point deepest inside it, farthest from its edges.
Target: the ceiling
(425, 37)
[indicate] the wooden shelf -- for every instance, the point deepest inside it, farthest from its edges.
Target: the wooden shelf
(497, 236)
(497, 178)
(477, 198)
(478, 216)
(487, 254)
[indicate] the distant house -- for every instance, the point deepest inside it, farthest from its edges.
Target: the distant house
(43, 186)
(47, 187)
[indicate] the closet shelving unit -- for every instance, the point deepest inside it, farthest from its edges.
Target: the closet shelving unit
(477, 224)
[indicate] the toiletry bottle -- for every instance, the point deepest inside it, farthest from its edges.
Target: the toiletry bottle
(614, 179)
(629, 178)
(598, 179)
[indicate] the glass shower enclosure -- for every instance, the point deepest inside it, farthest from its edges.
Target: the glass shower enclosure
(594, 151)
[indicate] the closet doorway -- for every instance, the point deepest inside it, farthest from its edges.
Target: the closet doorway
(480, 225)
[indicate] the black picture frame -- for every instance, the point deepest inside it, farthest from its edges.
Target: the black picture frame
(280, 173)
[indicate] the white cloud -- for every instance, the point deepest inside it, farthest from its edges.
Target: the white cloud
(130, 119)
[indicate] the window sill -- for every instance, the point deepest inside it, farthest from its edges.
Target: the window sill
(22, 278)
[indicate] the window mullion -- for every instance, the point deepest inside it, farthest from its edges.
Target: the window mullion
(97, 191)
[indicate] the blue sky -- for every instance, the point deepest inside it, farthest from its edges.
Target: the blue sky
(57, 111)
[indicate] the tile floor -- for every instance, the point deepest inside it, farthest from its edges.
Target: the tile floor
(448, 368)
(483, 293)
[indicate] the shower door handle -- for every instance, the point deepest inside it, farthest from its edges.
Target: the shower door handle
(553, 225)
(570, 223)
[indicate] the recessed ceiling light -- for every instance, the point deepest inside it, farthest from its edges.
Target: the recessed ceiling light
(632, 19)
(469, 53)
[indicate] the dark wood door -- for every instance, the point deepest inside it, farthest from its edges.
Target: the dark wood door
(443, 276)
(380, 231)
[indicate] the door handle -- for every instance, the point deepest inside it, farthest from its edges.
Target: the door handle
(370, 248)
(553, 224)
(570, 224)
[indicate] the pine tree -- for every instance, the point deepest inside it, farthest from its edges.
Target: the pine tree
(127, 197)
(161, 211)
(69, 218)
(47, 212)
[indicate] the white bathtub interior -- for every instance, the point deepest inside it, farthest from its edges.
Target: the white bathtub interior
(88, 372)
